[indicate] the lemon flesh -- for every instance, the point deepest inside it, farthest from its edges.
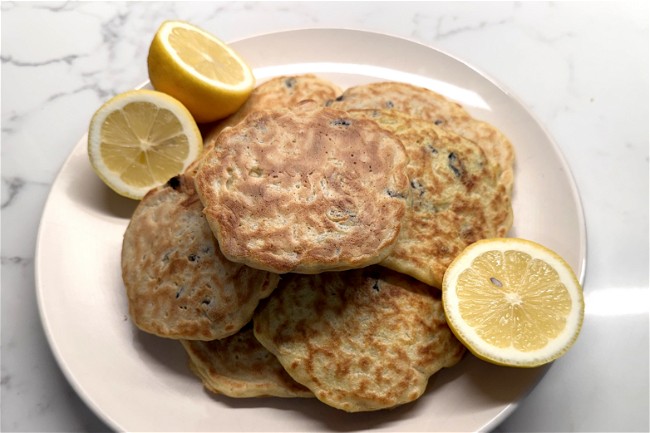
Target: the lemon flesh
(199, 70)
(209, 60)
(140, 139)
(513, 302)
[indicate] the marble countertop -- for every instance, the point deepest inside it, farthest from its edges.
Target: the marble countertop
(580, 68)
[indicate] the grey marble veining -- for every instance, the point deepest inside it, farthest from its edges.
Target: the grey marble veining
(581, 68)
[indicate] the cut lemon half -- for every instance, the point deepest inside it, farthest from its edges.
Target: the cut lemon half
(199, 70)
(513, 302)
(140, 139)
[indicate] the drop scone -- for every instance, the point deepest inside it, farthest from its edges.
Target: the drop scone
(456, 197)
(304, 190)
(278, 92)
(178, 283)
(360, 340)
(239, 366)
(426, 104)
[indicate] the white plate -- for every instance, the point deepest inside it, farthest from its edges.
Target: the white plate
(138, 382)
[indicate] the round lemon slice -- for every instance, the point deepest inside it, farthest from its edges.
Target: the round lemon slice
(140, 139)
(199, 70)
(513, 302)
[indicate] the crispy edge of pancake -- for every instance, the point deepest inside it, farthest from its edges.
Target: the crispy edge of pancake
(239, 366)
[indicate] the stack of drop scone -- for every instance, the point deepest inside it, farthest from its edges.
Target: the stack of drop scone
(301, 255)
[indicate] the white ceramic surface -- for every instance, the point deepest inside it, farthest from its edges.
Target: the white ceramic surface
(581, 68)
(81, 231)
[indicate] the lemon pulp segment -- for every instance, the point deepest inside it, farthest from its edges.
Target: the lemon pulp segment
(143, 143)
(140, 139)
(511, 299)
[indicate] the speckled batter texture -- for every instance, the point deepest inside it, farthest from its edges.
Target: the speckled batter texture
(456, 197)
(305, 190)
(178, 283)
(360, 340)
(426, 104)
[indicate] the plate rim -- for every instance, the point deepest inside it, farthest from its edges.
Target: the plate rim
(498, 417)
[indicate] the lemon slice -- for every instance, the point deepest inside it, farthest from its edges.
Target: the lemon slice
(199, 70)
(513, 302)
(140, 139)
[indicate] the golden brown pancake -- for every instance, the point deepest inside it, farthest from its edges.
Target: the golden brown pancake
(456, 198)
(304, 190)
(278, 92)
(360, 340)
(239, 366)
(178, 283)
(425, 104)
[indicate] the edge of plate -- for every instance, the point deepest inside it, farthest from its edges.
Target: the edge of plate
(499, 417)
(54, 348)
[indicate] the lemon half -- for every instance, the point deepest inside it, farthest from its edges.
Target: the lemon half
(140, 139)
(199, 70)
(513, 302)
